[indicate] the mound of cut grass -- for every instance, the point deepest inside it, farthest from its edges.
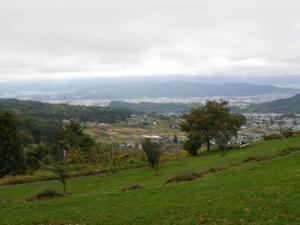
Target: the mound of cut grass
(46, 194)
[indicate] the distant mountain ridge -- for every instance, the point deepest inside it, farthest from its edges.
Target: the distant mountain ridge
(151, 107)
(286, 105)
(152, 86)
(175, 89)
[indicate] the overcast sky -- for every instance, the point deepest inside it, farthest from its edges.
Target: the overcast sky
(80, 38)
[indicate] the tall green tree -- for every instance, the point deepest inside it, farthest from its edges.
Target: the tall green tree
(212, 122)
(204, 121)
(153, 152)
(11, 153)
(175, 139)
(192, 144)
(229, 127)
(73, 137)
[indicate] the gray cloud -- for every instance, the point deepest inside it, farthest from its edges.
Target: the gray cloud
(75, 38)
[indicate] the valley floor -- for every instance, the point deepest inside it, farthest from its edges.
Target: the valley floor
(247, 192)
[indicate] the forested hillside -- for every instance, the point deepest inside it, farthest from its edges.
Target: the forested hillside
(287, 105)
(44, 119)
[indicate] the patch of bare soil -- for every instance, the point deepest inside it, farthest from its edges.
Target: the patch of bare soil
(44, 195)
(192, 176)
(132, 187)
(252, 159)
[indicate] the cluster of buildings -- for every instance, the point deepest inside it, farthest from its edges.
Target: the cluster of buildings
(154, 138)
(142, 120)
(260, 123)
(272, 121)
(256, 126)
(246, 138)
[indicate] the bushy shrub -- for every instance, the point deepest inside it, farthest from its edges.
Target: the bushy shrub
(272, 137)
(288, 133)
(75, 156)
(193, 144)
(153, 152)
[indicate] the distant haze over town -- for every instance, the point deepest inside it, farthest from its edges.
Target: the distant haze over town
(239, 90)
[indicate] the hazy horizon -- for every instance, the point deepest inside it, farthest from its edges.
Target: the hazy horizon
(173, 76)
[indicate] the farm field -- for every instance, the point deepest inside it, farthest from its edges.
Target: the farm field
(257, 186)
(122, 133)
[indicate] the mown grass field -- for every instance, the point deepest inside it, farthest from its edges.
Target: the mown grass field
(266, 192)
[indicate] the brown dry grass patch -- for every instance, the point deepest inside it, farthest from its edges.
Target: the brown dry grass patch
(44, 195)
(132, 187)
(193, 175)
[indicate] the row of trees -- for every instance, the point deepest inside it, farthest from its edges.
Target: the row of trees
(19, 153)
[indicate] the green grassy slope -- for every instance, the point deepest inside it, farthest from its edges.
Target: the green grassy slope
(253, 193)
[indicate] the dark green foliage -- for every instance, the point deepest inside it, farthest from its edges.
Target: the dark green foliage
(230, 125)
(283, 134)
(288, 133)
(100, 153)
(74, 138)
(35, 155)
(32, 158)
(59, 112)
(153, 152)
(272, 137)
(205, 122)
(44, 120)
(222, 139)
(25, 137)
(213, 121)
(175, 139)
(11, 153)
(44, 130)
(193, 144)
